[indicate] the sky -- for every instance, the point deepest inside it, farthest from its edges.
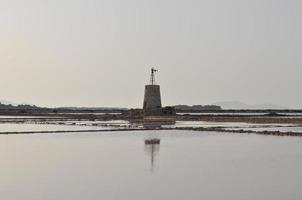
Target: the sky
(99, 52)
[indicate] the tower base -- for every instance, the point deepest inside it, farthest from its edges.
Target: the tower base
(152, 99)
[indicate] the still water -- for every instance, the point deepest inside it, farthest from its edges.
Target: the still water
(184, 166)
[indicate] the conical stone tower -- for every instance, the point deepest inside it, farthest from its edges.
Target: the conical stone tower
(152, 99)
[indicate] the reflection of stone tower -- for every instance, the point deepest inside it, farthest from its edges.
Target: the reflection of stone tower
(152, 147)
(152, 100)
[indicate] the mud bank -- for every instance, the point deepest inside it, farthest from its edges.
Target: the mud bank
(221, 130)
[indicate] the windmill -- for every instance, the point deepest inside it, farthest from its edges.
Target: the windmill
(152, 98)
(152, 79)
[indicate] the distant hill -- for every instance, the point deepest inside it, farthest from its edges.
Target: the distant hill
(91, 108)
(187, 108)
(236, 105)
(21, 106)
(5, 102)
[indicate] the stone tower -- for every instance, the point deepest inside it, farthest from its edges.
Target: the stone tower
(152, 99)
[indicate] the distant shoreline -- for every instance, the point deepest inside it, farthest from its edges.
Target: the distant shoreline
(266, 116)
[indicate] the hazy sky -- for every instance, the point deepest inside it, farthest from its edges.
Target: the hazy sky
(99, 52)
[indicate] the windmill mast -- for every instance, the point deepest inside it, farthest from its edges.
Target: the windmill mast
(152, 79)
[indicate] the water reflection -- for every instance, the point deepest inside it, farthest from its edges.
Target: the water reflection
(152, 147)
(50, 166)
